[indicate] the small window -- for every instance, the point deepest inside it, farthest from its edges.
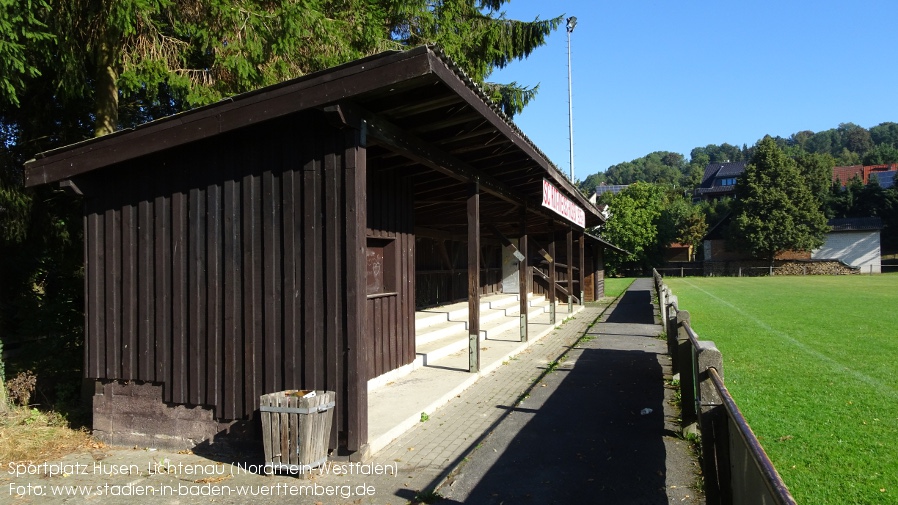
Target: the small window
(730, 181)
(381, 266)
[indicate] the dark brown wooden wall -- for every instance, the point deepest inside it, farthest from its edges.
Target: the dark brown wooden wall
(390, 315)
(219, 269)
(442, 271)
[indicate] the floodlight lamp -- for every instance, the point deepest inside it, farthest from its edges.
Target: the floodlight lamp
(571, 23)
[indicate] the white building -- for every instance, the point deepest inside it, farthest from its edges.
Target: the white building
(854, 241)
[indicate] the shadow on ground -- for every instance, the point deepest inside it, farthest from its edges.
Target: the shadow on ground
(634, 307)
(583, 439)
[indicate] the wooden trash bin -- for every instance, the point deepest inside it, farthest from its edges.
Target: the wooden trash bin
(296, 429)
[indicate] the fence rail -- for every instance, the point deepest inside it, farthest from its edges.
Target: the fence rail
(735, 467)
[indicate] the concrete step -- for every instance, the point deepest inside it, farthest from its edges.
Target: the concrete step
(397, 405)
(459, 311)
(430, 350)
(438, 336)
(457, 321)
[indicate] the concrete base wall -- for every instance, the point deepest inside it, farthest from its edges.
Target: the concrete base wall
(133, 414)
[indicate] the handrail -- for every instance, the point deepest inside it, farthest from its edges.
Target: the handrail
(558, 286)
(772, 478)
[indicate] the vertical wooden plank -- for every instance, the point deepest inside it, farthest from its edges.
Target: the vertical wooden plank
(292, 238)
(146, 333)
(232, 263)
(333, 313)
(196, 300)
(408, 272)
(473, 211)
(113, 278)
(214, 298)
(334, 303)
(89, 346)
(163, 262)
(570, 268)
(552, 273)
(313, 348)
(129, 284)
(252, 285)
(266, 431)
(271, 250)
(582, 263)
(179, 357)
(522, 276)
(96, 283)
(356, 342)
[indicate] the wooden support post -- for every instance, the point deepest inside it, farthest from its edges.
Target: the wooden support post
(582, 267)
(474, 277)
(552, 274)
(597, 291)
(522, 274)
(356, 338)
(570, 269)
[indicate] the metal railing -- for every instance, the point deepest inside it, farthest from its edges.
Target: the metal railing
(735, 467)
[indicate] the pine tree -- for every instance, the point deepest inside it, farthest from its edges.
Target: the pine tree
(775, 210)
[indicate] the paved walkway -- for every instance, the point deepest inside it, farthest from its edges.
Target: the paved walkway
(597, 429)
(561, 422)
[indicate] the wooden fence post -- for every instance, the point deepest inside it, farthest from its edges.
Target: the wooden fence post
(685, 365)
(715, 441)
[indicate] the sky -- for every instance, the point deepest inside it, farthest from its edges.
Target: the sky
(671, 76)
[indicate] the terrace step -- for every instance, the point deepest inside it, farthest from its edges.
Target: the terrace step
(442, 331)
(445, 321)
(432, 350)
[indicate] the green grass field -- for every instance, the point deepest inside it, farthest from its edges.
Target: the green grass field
(811, 362)
(614, 286)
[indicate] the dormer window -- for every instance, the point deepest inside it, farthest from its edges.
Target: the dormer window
(729, 181)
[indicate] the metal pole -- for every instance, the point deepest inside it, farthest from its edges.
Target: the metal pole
(571, 23)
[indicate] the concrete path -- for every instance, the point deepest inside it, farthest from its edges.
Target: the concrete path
(597, 429)
(561, 422)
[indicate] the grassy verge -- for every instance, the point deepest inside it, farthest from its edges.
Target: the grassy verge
(614, 286)
(28, 434)
(811, 363)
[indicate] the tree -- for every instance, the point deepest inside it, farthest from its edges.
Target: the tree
(588, 185)
(197, 52)
(660, 166)
(20, 26)
(682, 222)
(634, 224)
(885, 133)
(817, 171)
(775, 210)
(881, 154)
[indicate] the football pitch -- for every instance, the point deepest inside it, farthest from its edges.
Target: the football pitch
(811, 362)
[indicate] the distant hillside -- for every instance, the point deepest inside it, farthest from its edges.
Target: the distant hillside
(848, 144)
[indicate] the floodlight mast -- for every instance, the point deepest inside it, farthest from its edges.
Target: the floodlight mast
(571, 23)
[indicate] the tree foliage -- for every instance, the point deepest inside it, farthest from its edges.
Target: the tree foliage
(659, 166)
(634, 226)
(775, 210)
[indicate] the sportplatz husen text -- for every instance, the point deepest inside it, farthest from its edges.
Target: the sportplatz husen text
(180, 468)
(211, 469)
